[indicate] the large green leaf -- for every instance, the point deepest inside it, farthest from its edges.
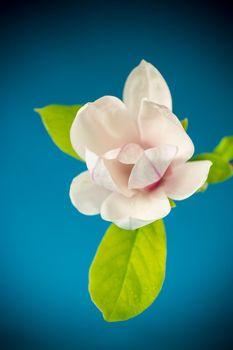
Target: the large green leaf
(225, 148)
(220, 170)
(57, 120)
(128, 270)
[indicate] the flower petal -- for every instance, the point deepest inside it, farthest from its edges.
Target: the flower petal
(102, 125)
(143, 173)
(145, 81)
(128, 154)
(112, 154)
(109, 173)
(120, 174)
(146, 206)
(99, 173)
(159, 126)
(161, 157)
(132, 223)
(151, 166)
(86, 196)
(186, 179)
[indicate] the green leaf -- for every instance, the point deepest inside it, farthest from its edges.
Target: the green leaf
(172, 203)
(128, 270)
(225, 148)
(185, 123)
(220, 170)
(57, 120)
(203, 188)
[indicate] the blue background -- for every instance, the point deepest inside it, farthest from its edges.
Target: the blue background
(73, 53)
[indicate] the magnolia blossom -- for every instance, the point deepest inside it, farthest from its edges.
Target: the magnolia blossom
(136, 153)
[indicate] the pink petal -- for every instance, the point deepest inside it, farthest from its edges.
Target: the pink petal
(102, 125)
(130, 153)
(151, 166)
(109, 173)
(86, 196)
(112, 154)
(159, 126)
(120, 174)
(99, 173)
(132, 223)
(146, 206)
(145, 81)
(143, 173)
(186, 179)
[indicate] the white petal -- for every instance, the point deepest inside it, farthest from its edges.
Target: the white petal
(99, 173)
(86, 196)
(143, 173)
(112, 154)
(91, 160)
(120, 174)
(102, 125)
(186, 179)
(161, 157)
(131, 223)
(147, 206)
(128, 154)
(159, 126)
(151, 166)
(145, 81)
(109, 173)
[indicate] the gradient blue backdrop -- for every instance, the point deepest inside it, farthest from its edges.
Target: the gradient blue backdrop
(74, 53)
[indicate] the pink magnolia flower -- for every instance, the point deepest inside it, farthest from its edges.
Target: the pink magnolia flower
(136, 153)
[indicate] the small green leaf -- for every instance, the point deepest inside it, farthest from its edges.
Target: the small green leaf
(220, 170)
(203, 188)
(185, 123)
(128, 270)
(172, 203)
(57, 120)
(225, 148)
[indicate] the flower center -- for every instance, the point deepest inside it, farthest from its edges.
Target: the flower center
(153, 186)
(151, 167)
